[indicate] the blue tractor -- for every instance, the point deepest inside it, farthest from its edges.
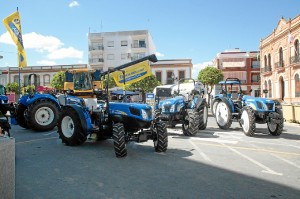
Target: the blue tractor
(183, 104)
(36, 111)
(231, 106)
(99, 118)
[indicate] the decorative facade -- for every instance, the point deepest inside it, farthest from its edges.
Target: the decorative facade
(280, 62)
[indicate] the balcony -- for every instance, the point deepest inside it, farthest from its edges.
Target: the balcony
(279, 66)
(267, 70)
(96, 60)
(91, 48)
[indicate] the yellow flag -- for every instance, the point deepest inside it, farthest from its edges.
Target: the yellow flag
(133, 73)
(13, 26)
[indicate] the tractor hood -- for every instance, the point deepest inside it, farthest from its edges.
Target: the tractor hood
(138, 111)
(171, 101)
(259, 104)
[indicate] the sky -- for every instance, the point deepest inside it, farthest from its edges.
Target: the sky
(55, 32)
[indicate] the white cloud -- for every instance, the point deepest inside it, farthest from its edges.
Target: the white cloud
(198, 67)
(62, 53)
(73, 4)
(45, 44)
(46, 62)
(158, 54)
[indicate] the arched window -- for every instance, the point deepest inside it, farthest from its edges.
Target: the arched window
(297, 85)
(265, 61)
(266, 88)
(46, 80)
(270, 89)
(281, 63)
(296, 44)
(269, 62)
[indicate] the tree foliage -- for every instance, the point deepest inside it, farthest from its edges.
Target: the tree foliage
(13, 87)
(58, 80)
(145, 85)
(210, 76)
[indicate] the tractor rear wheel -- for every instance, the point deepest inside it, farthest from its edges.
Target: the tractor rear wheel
(69, 128)
(119, 140)
(20, 116)
(43, 115)
(190, 124)
(160, 139)
(247, 121)
(223, 115)
(276, 129)
(203, 112)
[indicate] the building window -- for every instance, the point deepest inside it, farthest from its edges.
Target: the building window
(110, 56)
(255, 78)
(123, 56)
(96, 46)
(181, 74)
(297, 50)
(257, 93)
(266, 89)
(269, 62)
(139, 44)
(124, 43)
(170, 76)
(265, 61)
(158, 75)
(110, 44)
(280, 57)
(270, 89)
(136, 56)
(297, 85)
(46, 80)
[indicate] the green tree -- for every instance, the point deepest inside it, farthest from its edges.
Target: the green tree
(58, 80)
(13, 87)
(145, 85)
(210, 76)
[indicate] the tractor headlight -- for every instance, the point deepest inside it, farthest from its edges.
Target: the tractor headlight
(179, 108)
(144, 114)
(172, 109)
(163, 108)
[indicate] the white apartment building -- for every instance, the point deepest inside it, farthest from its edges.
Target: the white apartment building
(111, 49)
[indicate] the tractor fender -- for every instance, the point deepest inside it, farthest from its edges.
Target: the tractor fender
(43, 96)
(228, 102)
(117, 118)
(84, 116)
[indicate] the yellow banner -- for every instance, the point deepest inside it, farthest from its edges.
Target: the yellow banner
(13, 26)
(133, 73)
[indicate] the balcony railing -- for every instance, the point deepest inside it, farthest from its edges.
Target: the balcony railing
(96, 48)
(295, 59)
(279, 64)
(96, 60)
(266, 69)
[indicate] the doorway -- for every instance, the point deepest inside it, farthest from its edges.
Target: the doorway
(281, 88)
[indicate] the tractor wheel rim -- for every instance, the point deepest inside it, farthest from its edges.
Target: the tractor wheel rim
(44, 116)
(222, 113)
(67, 126)
(246, 121)
(214, 107)
(272, 126)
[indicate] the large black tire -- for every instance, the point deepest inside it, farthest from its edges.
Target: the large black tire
(276, 129)
(190, 124)
(69, 128)
(20, 116)
(160, 137)
(42, 115)
(247, 121)
(223, 115)
(119, 140)
(203, 114)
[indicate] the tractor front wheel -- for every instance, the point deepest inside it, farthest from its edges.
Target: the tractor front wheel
(190, 124)
(276, 129)
(223, 115)
(20, 116)
(160, 139)
(43, 115)
(247, 121)
(203, 112)
(119, 140)
(69, 128)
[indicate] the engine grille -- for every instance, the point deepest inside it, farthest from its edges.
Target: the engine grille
(167, 107)
(270, 106)
(135, 111)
